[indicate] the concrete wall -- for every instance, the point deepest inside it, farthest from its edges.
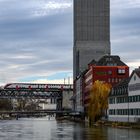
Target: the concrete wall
(86, 51)
(48, 103)
(66, 102)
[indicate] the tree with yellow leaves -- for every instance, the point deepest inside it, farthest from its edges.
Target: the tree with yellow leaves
(98, 100)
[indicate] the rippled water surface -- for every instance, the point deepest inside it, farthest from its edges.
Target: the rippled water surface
(43, 129)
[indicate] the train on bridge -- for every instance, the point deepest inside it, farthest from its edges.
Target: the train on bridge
(33, 90)
(38, 86)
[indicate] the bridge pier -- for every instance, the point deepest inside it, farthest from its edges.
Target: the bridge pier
(59, 107)
(17, 116)
(59, 104)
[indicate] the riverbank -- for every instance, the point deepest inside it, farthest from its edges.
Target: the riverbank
(128, 125)
(6, 117)
(121, 125)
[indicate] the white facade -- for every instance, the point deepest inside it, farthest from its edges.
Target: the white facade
(126, 107)
(118, 107)
(134, 97)
(79, 95)
(134, 81)
(118, 118)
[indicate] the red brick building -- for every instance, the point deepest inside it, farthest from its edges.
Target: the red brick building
(109, 69)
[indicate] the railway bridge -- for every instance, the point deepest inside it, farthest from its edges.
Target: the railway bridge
(38, 91)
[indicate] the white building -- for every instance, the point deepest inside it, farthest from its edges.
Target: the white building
(79, 94)
(124, 100)
(134, 96)
(118, 102)
(47, 103)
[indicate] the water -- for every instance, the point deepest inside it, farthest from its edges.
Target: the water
(43, 129)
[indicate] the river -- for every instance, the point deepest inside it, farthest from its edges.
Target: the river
(44, 129)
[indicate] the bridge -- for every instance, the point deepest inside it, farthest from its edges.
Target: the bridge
(36, 91)
(39, 113)
(48, 111)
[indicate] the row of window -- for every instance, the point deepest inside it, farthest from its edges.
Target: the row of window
(119, 91)
(124, 112)
(124, 99)
(124, 90)
(134, 98)
(120, 71)
(118, 100)
(134, 87)
(114, 80)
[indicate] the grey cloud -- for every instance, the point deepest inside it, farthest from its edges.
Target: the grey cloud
(46, 39)
(125, 32)
(38, 28)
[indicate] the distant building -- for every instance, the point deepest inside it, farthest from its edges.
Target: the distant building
(66, 102)
(124, 101)
(109, 69)
(47, 103)
(91, 32)
(79, 99)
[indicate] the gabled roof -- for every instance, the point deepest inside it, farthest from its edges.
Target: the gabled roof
(111, 59)
(136, 71)
(108, 60)
(93, 62)
(124, 82)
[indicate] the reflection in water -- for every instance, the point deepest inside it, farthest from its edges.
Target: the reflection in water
(43, 129)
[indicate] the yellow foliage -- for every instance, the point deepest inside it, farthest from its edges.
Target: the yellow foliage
(98, 99)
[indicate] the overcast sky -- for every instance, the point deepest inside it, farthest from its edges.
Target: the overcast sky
(36, 38)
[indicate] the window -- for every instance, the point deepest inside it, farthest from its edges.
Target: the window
(134, 78)
(121, 71)
(130, 99)
(131, 112)
(120, 79)
(124, 111)
(112, 80)
(101, 73)
(109, 72)
(112, 112)
(112, 101)
(139, 98)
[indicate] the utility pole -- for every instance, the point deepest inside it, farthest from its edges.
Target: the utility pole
(68, 80)
(64, 81)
